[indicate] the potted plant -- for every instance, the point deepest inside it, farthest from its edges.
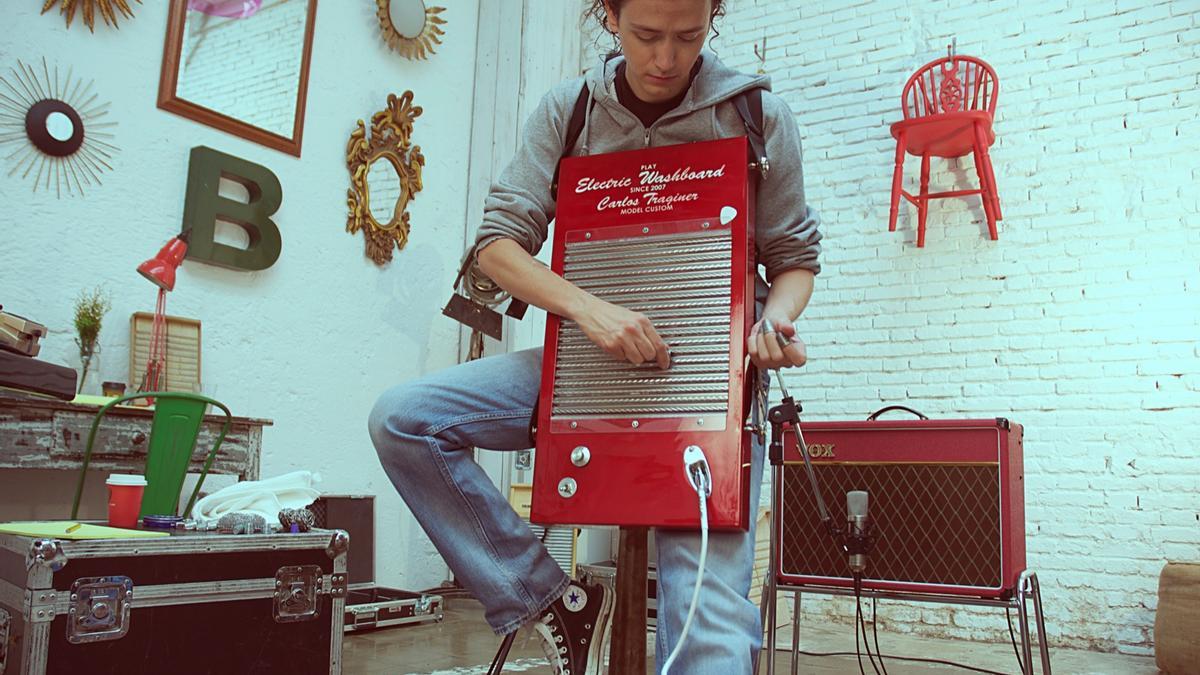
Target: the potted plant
(90, 309)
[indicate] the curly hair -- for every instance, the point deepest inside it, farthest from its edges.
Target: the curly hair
(596, 11)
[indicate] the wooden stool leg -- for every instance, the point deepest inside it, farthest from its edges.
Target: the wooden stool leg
(628, 653)
(897, 177)
(923, 201)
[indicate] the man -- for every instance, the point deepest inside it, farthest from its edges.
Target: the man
(661, 91)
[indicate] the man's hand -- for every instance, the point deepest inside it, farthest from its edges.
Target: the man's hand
(764, 348)
(623, 334)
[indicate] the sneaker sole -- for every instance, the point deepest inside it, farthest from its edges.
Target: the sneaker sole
(606, 611)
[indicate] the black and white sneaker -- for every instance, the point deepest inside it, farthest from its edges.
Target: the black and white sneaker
(575, 629)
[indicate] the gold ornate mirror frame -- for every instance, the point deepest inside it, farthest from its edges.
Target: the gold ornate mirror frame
(416, 46)
(390, 141)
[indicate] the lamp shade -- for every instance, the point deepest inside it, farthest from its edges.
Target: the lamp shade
(160, 269)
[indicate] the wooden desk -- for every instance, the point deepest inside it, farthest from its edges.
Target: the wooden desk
(40, 433)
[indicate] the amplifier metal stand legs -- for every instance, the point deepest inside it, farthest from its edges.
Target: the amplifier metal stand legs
(1028, 586)
(771, 583)
(1027, 590)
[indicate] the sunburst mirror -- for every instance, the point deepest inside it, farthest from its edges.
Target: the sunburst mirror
(107, 9)
(409, 27)
(57, 123)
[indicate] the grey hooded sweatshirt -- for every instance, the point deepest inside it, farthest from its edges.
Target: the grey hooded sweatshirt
(520, 206)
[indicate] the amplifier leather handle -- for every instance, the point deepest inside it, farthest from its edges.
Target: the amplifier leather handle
(875, 415)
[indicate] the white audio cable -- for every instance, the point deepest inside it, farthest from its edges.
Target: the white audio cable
(695, 466)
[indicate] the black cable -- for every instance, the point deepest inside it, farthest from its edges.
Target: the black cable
(857, 649)
(875, 633)
(862, 622)
(866, 641)
(501, 654)
(858, 623)
(918, 659)
(858, 652)
(1013, 638)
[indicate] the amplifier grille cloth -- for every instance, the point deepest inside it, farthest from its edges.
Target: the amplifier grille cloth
(934, 523)
(681, 283)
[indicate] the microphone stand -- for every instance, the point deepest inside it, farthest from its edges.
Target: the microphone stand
(788, 412)
(850, 541)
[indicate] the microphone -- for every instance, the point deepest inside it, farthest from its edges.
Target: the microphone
(857, 543)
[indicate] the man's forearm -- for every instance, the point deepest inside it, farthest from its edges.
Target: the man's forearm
(511, 266)
(789, 295)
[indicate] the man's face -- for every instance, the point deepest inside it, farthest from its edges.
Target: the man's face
(661, 40)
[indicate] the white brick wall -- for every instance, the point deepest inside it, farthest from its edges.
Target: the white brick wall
(1080, 323)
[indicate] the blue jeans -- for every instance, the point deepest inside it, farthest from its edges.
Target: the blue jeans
(423, 431)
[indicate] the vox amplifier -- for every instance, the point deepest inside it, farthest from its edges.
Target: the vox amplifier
(947, 505)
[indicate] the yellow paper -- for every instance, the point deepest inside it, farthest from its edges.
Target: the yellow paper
(97, 401)
(59, 530)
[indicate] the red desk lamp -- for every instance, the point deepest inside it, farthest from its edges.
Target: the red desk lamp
(160, 270)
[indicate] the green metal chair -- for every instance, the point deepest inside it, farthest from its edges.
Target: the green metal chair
(173, 434)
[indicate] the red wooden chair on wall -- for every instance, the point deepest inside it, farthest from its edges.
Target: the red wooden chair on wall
(948, 108)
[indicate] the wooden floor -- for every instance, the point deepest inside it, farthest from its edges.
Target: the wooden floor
(462, 644)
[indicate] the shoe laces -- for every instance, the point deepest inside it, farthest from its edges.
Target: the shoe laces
(552, 644)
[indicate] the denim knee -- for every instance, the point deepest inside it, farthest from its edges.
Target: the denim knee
(396, 412)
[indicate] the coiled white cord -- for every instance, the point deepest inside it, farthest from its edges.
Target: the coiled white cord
(695, 465)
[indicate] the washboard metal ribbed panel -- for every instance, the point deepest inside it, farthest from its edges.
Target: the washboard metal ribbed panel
(681, 283)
